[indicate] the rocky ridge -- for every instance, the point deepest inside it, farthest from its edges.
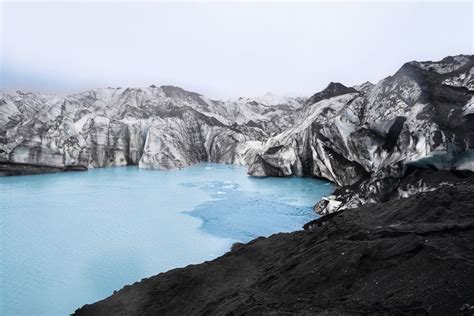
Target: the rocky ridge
(156, 127)
(365, 140)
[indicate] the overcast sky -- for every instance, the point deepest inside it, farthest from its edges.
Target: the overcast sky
(221, 49)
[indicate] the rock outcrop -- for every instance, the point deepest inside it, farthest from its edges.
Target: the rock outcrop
(367, 138)
(412, 256)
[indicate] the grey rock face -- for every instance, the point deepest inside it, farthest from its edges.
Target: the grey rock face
(156, 128)
(422, 116)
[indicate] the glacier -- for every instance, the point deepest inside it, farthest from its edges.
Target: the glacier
(363, 138)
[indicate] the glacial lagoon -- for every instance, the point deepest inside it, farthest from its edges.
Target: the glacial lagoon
(72, 238)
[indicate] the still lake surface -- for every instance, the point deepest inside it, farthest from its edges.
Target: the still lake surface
(68, 239)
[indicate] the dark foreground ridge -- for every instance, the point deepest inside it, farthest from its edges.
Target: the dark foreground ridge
(414, 255)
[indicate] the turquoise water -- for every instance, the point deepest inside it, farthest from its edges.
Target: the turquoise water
(72, 238)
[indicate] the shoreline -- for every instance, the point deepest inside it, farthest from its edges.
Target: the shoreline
(409, 255)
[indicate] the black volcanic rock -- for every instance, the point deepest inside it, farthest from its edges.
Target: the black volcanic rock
(334, 89)
(409, 256)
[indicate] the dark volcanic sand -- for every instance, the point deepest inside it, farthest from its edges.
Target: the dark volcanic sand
(414, 255)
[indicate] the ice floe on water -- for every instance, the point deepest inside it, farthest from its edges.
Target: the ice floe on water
(246, 208)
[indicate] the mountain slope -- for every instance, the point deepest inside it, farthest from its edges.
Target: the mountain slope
(421, 116)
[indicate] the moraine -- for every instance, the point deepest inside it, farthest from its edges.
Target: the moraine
(73, 238)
